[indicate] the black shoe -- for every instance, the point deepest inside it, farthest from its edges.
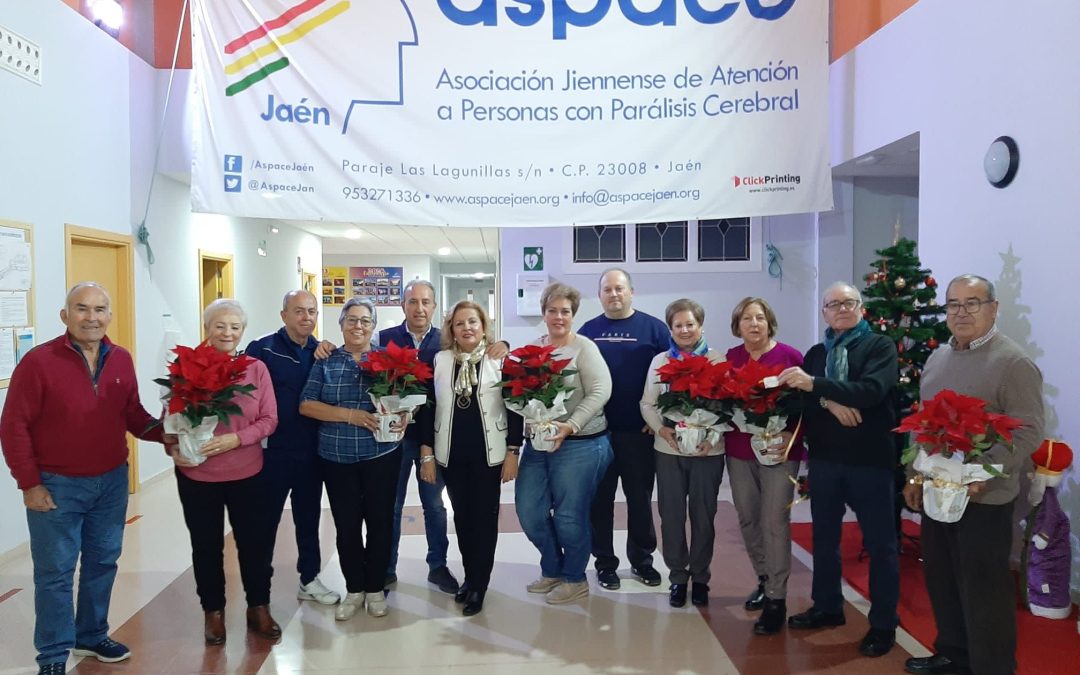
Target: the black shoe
(441, 577)
(877, 642)
(474, 602)
(608, 579)
(815, 618)
(678, 595)
(390, 580)
(937, 664)
(647, 574)
(756, 600)
(772, 617)
(699, 594)
(462, 593)
(53, 668)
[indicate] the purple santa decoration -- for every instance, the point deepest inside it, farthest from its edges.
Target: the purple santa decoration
(1047, 556)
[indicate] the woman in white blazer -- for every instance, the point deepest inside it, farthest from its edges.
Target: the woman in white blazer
(473, 439)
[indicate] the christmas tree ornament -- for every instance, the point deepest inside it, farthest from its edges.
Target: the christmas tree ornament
(931, 282)
(900, 282)
(932, 343)
(900, 349)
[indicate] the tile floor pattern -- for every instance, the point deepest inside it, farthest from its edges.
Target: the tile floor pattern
(632, 631)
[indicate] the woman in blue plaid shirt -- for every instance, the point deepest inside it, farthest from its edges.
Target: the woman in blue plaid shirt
(360, 473)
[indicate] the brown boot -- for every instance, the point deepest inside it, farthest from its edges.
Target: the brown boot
(214, 627)
(261, 623)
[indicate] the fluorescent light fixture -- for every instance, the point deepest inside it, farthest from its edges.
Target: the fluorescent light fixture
(445, 250)
(353, 233)
(478, 275)
(274, 230)
(108, 12)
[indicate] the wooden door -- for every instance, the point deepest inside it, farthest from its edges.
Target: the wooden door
(107, 259)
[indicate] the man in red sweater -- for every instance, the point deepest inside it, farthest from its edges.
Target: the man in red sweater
(62, 430)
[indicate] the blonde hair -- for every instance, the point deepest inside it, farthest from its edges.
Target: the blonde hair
(446, 340)
(559, 290)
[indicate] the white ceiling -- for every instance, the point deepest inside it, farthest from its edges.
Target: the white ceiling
(466, 244)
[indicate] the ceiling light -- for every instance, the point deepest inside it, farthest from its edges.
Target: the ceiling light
(274, 230)
(478, 275)
(445, 250)
(108, 12)
(353, 233)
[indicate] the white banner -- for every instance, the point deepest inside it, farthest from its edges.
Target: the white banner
(510, 112)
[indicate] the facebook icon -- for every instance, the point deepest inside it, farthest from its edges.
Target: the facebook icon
(234, 163)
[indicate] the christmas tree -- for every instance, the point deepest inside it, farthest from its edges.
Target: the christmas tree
(900, 300)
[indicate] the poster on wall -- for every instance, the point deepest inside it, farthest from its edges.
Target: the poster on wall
(333, 288)
(589, 112)
(380, 284)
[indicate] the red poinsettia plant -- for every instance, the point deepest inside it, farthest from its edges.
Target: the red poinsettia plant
(203, 381)
(397, 371)
(531, 373)
(694, 382)
(759, 403)
(954, 423)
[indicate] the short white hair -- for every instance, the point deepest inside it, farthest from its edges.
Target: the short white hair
(86, 284)
(358, 301)
(836, 285)
(220, 306)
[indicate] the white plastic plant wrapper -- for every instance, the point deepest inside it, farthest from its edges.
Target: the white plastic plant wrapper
(945, 481)
(698, 427)
(541, 420)
(390, 411)
(190, 438)
(767, 441)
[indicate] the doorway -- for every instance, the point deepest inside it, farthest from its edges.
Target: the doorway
(215, 280)
(107, 259)
(310, 284)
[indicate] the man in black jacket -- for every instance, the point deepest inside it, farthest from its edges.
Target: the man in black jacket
(849, 413)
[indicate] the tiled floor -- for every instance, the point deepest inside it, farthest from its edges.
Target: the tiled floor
(628, 632)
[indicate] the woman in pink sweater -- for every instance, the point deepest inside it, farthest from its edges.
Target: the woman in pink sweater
(230, 479)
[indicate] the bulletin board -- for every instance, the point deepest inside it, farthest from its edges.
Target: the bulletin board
(333, 288)
(16, 295)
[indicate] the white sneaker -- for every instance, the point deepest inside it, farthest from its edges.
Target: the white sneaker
(543, 584)
(376, 604)
(349, 606)
(317, 591)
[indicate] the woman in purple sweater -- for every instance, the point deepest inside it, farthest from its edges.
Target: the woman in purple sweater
(763, 493)
(230, 479)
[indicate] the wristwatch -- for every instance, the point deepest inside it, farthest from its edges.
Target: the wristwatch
(824, 402)
(513, 451)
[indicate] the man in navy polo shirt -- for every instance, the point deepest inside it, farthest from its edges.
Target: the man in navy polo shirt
(290, 462)
(628, 340)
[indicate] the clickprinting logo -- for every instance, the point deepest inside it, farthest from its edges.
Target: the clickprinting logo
(258, 44)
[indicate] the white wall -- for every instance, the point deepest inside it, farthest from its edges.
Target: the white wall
(878, 202)
(78, 150)
(413, 267)
(718, 292)
(961, 88)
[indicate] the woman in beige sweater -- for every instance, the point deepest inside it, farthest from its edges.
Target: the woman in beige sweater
(555, 489)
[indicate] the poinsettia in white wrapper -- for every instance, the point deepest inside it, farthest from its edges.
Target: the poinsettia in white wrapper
(190, 438)
(540, 419)
(700, 426)
(945, 481)
(391, 411)
(766, 441)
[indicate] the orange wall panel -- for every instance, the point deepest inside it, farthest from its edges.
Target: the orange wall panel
(166, 19)
(855, 20)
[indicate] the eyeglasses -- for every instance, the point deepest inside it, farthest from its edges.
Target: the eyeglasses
(970, 306)
(835, 305)
(353, 321)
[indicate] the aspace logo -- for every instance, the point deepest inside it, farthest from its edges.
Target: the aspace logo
(530, 12)
(775, 180)
(293, 24)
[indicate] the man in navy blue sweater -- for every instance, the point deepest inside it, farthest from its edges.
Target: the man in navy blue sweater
(628, 340)
(291, 462)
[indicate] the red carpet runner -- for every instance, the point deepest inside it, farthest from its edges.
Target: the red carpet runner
(1044, 646)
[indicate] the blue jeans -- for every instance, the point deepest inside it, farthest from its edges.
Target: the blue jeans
(554, 494)
(870, 492)
(88, 519)
(434, 511)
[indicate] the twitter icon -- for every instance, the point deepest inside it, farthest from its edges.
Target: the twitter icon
(233, 183)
